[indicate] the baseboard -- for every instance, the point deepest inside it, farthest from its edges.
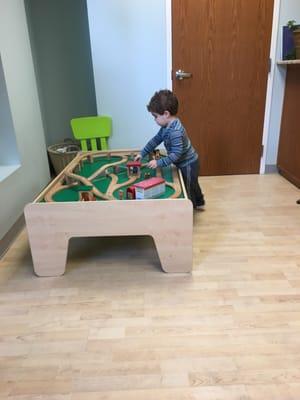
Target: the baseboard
(271, 169)
(11, 235)
(295, 180)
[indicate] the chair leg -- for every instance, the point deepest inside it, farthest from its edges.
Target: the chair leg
(104, 145)
(83, 145)
(94, 144)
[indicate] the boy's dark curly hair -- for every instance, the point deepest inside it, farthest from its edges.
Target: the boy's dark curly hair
(162, 101)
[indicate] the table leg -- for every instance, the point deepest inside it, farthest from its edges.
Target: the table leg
(49, 246)
(49, 253)
(175, 253)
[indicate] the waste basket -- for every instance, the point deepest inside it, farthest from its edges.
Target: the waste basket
(62, 153)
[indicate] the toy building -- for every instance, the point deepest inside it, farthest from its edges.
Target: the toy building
(134, 168)
(87, 196)
(150, 188)
(157, 155)
(130, 193)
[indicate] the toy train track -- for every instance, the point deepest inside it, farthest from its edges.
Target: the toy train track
(72, 178)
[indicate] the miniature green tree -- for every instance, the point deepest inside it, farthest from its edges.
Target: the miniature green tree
(292, 25)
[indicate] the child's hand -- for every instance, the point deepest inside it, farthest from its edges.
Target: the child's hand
(137, 157)
(152, 164)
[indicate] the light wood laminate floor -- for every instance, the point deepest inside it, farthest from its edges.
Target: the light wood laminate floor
(116, 327)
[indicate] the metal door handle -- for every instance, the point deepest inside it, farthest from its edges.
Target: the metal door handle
(182, 75)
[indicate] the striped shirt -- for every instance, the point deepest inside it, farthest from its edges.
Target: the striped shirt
(179, 148)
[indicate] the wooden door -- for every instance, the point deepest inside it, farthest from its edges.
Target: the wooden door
(289, 144)
(225, 44)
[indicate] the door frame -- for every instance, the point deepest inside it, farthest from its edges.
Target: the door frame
(168, 4)
(270, 84)
(271, 75)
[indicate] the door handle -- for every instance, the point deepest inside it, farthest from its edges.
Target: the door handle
(182, 75)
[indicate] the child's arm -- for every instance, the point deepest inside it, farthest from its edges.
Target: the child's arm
(175, 152)
(154, 142)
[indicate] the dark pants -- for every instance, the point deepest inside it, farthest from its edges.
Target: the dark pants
(190, 176)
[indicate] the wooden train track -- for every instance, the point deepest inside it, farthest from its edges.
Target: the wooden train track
(113, 186)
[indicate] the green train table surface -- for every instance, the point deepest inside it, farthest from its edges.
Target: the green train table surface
(61, 211)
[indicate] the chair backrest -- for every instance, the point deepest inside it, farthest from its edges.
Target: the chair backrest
(90, 129)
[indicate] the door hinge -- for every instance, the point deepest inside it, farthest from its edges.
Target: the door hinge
(171, 74)
(262, 150)
(270, 64)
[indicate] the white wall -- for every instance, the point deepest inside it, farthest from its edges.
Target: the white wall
(20, 187)
(8, 146)
(289, 10)
(129, 53)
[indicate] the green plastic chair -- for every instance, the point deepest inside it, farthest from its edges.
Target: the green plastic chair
(90, 129)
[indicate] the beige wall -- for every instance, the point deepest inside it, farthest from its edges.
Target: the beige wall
(21, 187)
(59, 35)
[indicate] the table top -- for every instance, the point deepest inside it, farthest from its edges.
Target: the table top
(104, 176)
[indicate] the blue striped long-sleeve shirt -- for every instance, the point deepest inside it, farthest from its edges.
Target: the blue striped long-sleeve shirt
(179, 148)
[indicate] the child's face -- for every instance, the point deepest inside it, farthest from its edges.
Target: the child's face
(161, 119)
